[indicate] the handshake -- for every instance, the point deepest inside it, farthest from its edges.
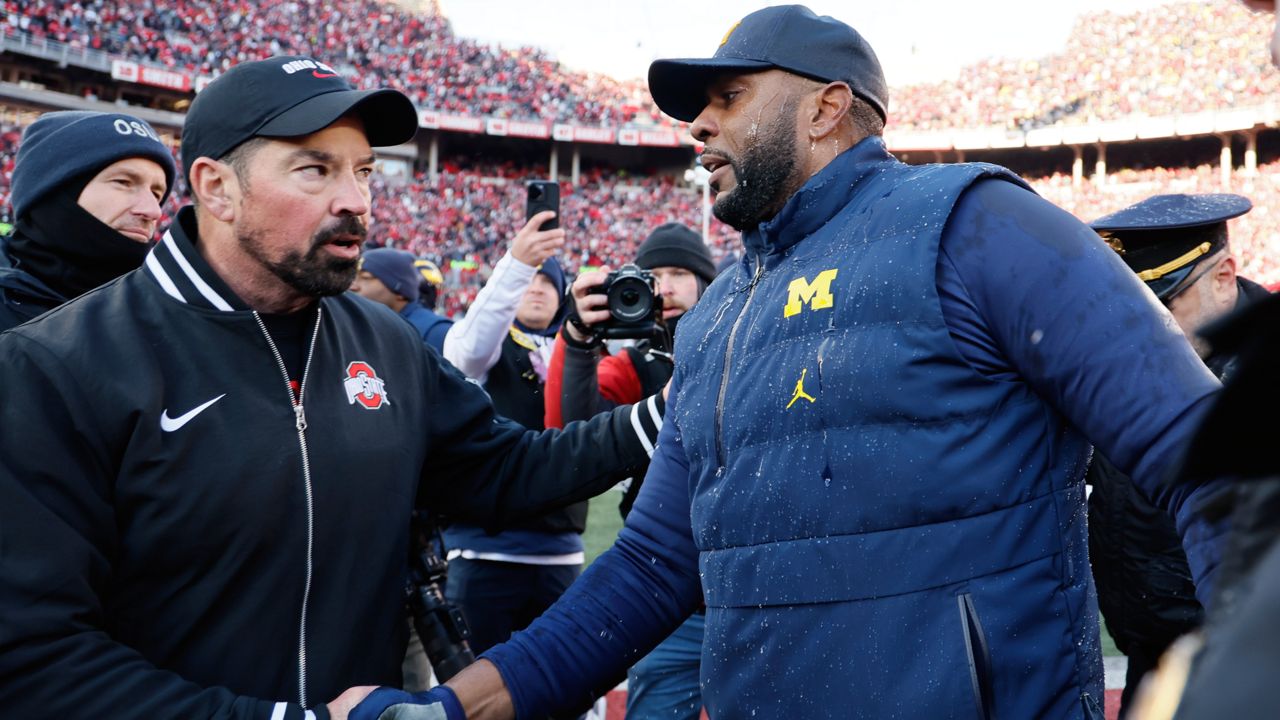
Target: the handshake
(438, 703)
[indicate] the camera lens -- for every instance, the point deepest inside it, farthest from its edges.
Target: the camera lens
(630, 299)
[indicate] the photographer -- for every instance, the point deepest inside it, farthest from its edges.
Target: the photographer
(502, 581)
(584, 380)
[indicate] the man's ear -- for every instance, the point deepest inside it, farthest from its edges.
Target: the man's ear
(828, 109)
(1224, 276)
(215, 187)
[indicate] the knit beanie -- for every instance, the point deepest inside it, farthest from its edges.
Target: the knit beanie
(551, 268)
(68, 144)
(674, 245)
(395, 269)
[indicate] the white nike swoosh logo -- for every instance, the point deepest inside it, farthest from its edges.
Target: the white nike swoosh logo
(169, 424)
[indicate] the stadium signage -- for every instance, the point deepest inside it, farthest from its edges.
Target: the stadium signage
(145, 75)
(570, 133)
(660, 138)
(457, 123)
(124, 70)
(165, 79)
(517, 128)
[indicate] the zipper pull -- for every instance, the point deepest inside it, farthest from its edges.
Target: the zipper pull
(301, 417)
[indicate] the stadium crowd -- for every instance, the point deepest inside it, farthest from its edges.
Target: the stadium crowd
(1183, 57)
(375, 44)
(470, 211)
(471, 215)
(1178, 58)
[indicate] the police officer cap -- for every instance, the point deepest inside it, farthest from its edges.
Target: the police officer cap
(1164, 237)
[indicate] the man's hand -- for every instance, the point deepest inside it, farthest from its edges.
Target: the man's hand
(340, 706)
(531, 246)
(438, 703)
(592, 307)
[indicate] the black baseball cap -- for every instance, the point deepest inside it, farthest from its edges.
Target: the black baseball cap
(788, 37)
(1164, 237)
(283, 97)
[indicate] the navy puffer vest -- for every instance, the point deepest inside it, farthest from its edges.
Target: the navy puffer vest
(884, 532)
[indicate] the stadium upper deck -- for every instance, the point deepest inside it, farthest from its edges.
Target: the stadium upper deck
(1180, 58)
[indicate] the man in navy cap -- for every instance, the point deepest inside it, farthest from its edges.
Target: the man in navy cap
(207, 468)
(430, 290)
(87, 194)
(391, 277)
(873, 468)
(1178, 245)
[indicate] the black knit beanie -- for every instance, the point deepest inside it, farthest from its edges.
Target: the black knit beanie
(674, 245)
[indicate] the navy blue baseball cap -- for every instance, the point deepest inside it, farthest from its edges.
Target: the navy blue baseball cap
(395, 269)
(1164, 237)
(787, 37)
(284, 97)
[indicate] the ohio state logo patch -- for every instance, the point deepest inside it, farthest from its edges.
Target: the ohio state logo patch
(364, 387)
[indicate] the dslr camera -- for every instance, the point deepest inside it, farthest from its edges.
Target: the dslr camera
(634, 304)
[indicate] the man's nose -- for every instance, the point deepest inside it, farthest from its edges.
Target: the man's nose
(352, 197)
(704, 126)
(148, 206)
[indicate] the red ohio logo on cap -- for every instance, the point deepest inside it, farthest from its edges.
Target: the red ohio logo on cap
(364, 387)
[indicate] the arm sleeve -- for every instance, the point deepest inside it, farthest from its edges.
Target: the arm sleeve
(631, 597)
(552, 416)
(1032, 295)
(57, 544)
(581, 384)
(474, 343)
(489, 470)
(618, 380)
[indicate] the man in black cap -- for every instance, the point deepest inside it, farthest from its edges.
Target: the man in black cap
(207, 468)
(873, 468)
(1178, 245)
(87, 194)
(584, 380)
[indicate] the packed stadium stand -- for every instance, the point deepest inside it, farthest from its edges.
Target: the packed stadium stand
(1179, 58)
(1156, 91)
(373, 43)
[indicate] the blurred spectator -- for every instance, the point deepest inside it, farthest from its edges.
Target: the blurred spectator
(390, 277)
(87, 190)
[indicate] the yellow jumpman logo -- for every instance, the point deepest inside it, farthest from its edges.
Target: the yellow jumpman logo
(800, 393)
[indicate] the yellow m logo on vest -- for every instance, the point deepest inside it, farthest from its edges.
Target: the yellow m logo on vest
(816, 294)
